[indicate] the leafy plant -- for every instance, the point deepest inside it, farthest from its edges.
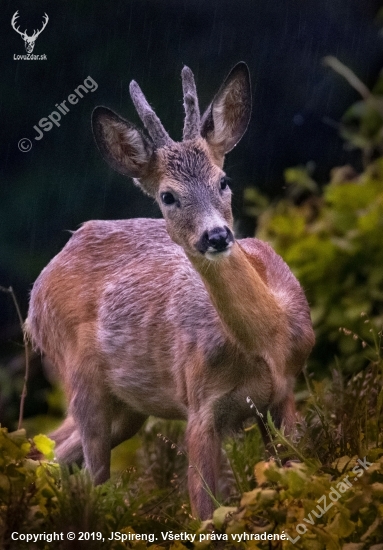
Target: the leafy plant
(39, 498)
(333, 244)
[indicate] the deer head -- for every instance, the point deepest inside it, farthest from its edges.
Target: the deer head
(28, 40)
(186, 178)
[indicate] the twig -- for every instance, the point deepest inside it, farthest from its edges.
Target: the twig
(348, 75)
(24, 392)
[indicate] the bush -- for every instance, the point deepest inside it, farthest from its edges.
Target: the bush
(333, 243)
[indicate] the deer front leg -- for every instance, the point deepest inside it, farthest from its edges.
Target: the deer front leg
(204, 450)
(91, 412)
(68, 448)
(284, 414)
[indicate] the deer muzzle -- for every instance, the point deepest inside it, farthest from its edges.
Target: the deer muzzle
(216, 242)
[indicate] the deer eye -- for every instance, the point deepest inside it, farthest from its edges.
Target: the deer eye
(224, 183)
(168, 198)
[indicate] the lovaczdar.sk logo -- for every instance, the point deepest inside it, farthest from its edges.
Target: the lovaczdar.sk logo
(29, 39)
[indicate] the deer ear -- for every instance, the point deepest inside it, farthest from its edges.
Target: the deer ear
(227, 117)
(121, 144)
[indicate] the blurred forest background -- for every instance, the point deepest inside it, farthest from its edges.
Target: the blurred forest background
(298, 103)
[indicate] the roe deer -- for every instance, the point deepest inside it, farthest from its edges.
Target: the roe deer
(173, 318)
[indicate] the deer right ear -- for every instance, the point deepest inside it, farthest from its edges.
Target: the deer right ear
(122, 145)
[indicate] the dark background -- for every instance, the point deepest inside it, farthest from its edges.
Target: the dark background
(63, 181)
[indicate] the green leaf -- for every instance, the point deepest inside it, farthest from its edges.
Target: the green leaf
(45, 446)
(341, 526)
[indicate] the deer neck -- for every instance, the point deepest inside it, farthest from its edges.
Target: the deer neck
(249, 312)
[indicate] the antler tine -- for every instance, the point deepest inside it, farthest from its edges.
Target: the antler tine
(192, 122)
(149, 118)
(14, 17)
(45, 22)
(13, 23)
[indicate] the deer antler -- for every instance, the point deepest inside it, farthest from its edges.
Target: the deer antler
(24, 34)
(151, 121)
(192, 125)
(13, 23)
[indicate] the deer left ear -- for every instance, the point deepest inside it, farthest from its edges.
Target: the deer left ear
(227, 117)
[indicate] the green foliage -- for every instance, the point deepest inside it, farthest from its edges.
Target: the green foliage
(286, 498)
(25, 487)
(333, 243)
(56, 501)
(43, 497)
(340, 423)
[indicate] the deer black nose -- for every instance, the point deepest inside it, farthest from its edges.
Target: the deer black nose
(215, 240)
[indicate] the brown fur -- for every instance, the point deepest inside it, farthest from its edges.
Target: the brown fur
(138, 321)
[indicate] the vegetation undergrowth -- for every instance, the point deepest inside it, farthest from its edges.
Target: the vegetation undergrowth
(331, 499)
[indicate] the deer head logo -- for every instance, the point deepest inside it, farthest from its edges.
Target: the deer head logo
(28, 40)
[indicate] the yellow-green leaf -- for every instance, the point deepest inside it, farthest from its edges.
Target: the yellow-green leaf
(341, 526)
(45, 446)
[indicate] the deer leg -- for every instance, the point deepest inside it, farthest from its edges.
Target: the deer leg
(284, 414)
(226, 484)
(204, 450)
(91, 410)
(125, 424)
(68, 448)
